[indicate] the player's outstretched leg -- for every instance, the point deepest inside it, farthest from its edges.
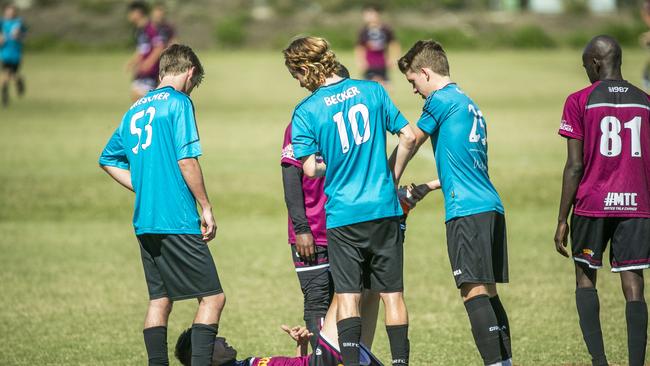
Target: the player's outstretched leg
(485, 326)
(317, 292)
(588, 306)
(155, 331)
(502, 320)
(349, 327)
(397, 327)
(205, 328)
(636, 314)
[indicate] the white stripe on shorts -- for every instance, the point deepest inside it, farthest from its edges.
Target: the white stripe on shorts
(305, 269)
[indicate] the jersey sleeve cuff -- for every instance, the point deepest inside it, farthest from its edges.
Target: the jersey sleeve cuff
(301, 153)
(189, 155)
(291, 161)
(114, 163)
(570, 135)
(424, 128)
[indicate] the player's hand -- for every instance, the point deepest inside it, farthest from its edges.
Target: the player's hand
(305, 246)
(405, 197)
(299, 334)
(418, 192)
(561, 234)
(208, 225)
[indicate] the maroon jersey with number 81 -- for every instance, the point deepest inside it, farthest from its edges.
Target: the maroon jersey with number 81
(612, 118)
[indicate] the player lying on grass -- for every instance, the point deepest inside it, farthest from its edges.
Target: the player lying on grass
(327, 351)
(476, 228)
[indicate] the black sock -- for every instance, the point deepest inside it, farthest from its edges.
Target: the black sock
(589, 314)
(155, 340)
(349, 338)
(636, 314)
(313, 324)
(20, 86)
(398, 337)
(203, 343)
(485, 328)
(504, 325)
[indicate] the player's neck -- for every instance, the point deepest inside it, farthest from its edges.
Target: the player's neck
(174, 81)
(332, 80)
(611, 75)
(441, 82)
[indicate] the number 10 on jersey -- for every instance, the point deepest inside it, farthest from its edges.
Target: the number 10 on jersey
(354, 126)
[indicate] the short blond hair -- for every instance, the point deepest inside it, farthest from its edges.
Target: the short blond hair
(312, 57)
(425, 54)
(179, 58)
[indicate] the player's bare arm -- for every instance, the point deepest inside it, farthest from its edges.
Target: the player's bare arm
(152, 59)
(573, 171)
(122, 176)
(191, 170)
(403, 153)
(312, 167)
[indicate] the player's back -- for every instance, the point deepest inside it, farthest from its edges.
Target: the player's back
(349, 120)
(158, 130)
(612, 118)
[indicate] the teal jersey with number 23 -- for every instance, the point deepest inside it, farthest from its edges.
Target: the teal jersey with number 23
(347, 122)
(459, 138)
(157, 131)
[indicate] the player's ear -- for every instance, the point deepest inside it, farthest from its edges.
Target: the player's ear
(426, 73)
(190, 72)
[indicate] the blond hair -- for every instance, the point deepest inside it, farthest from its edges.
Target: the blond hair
(425, 54)
(312, 58)
(179, 58)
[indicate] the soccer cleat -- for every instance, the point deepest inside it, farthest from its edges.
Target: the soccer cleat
(20, 87)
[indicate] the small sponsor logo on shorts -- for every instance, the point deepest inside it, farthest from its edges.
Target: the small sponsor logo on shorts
(318, 351)
(588, 252)
(458, 272)
(620, 201)
(564, 126)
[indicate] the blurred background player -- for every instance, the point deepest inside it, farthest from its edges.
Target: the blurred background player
(376, 47)
(607, 183)
(326, 353)
(154, 153)
(143, 65)
(165, 29)
(365, 242)
(12, 31)
(474, 214)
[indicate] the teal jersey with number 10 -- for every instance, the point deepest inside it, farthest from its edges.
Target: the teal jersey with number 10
(347, 122)
(158, 130)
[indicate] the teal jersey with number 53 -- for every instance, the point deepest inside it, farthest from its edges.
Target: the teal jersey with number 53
(157, 131)
(459, 138)
(347, 122)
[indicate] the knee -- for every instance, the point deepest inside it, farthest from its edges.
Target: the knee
(392, 298)
(470, 290)
(163, 305)
(316, 301)
(217, 301)
(633, 291)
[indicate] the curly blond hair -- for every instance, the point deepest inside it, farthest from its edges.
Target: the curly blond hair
(312, 58)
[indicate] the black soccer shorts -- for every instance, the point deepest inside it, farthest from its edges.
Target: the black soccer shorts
(367, 255)
(478, 249)
(178, 266)
(11, 67)
(630, 239)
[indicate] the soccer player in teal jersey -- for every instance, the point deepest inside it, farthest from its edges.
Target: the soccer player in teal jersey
(154, 153)
(476, 231)
(346, 121)
(12, 32)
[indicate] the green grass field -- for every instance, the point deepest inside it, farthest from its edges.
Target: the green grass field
(72, 290)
